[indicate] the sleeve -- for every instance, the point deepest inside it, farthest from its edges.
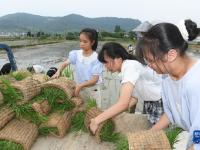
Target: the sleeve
(194, 107)
(97, 68)
(166, 105)
(72, 57)
(131, 72)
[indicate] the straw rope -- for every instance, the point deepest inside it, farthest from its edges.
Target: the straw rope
(41, 78)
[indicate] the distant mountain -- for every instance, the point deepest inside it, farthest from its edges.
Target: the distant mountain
(23, 22)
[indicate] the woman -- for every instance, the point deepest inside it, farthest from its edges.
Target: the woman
(137, 81)
(164, 50)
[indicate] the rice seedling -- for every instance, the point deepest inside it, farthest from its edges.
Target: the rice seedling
(172, 134)
(91, 102)
(77, 123)
(47, 130)
(20, 75)
(9, 145)
(121, 143)
(10, 95)
(26, 111)
(107, 132)
(68, 72)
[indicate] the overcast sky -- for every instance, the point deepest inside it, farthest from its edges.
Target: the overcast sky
(167, 10)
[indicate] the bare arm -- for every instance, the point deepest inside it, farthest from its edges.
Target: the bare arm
(162, 123)
(120, 106)
(60, 69)
(88, 83)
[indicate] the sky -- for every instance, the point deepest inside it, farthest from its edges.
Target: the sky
(163, 10)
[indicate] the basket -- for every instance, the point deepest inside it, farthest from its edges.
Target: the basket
(148, 140)
(20, 132)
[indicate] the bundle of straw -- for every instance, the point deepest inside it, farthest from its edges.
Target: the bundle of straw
(42, 107)
(105, 128)
(28, 87)
(41, 78)
(6, 114)
(62, 83)
(59, 121)
(148, 140)
(20, 132)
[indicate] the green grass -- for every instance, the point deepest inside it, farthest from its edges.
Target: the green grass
(78, 122)
(172, 135)
(8, 145)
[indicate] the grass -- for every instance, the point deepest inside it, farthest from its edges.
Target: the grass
(47, 130)
(78, 122)
(8, 145)
(172, 135)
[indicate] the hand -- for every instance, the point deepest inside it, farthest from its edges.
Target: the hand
(77, 90)
(56, 75)
(93, 126)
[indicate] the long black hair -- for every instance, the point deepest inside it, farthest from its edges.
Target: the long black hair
(92, 35)
(114, 50)
(159, 40)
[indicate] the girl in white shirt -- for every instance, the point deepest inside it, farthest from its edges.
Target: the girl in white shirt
(136, 81)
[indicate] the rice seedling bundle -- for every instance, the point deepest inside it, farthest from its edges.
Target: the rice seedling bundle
(121, 143)
(21, 74)
(6, 114)
(41, 78)
(28, 87)
(105, 132)
(78, 122)
(20, 132)
(61, 122)
(9, 145)
(148, 140)
(42, 107)
(62, 83)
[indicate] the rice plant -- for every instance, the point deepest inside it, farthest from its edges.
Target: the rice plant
(47, 130)
(172, 134)
(77, 123)
(9, 145)
(91, 102)
(26, 111)
(10, 95)
(20, 75)
(121, 143)
(68, 72)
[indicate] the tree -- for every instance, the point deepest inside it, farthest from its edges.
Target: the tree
(117, 29)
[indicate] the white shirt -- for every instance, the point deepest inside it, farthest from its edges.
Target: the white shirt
(147, 83)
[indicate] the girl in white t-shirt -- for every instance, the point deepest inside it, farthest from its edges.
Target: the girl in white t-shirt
(137, 81)
(88, 69)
